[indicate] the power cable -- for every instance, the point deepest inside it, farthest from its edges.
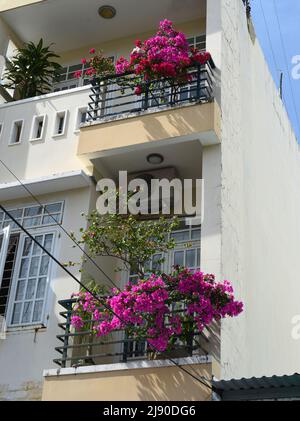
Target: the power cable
(286, 64)
(201, 380)
(59, 225)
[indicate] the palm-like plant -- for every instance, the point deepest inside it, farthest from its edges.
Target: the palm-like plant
(32, 70)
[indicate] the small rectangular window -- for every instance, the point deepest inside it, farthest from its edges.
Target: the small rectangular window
(81, 117)
(1, 128)
(16, 134)
(38, 125)
(60, 123)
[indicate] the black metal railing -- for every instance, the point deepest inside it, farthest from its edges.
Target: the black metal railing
(82, 347)
(115, 95)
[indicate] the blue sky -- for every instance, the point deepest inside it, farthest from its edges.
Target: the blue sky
(277, 24)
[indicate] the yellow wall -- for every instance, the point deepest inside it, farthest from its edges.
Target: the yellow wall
(173, 123)
(147, 384)
(124, 46)
(12, 4)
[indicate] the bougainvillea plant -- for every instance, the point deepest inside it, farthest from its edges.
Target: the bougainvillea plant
(145, 309)
(97, 65)
(166, 55)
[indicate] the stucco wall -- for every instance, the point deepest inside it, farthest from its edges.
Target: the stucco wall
(155, 381)
(260, 208)
(24, 354)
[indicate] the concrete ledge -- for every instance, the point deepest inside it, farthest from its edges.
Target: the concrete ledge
(133, 365)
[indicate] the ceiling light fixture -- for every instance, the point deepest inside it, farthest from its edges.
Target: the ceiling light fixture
(155, 159)
(107, 12)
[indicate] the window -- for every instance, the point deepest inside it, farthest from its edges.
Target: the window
(4, 240)
(198, 41)
(33, 216)
(6, 278)
(1, 128)
(32, 276)
(16, 134)
(81, 117)
(26, 268)
(67, 79)
(186, 252)
(60, 123)
(37, 129)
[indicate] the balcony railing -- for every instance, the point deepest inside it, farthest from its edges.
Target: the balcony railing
(115, 95)
(82, 347)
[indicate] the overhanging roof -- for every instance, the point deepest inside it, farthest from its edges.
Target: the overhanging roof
(45, 185)
(275, 387)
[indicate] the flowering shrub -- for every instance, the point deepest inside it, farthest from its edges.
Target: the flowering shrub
(146, 309)
(165, 55)
(97, 64)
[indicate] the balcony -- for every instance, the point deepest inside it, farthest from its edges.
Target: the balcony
(89, 367)
(119, 118)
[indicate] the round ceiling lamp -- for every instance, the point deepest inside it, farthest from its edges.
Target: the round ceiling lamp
(155, 159)
(107, 12)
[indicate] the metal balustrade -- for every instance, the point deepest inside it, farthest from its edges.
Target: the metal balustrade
(82, 347)
(114, 96)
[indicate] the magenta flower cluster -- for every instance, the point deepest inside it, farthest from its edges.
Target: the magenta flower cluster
(146, 308)
(165, 55)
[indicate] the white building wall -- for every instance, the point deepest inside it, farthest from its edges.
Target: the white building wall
(50, 155)
(25, 353)
(260, 209)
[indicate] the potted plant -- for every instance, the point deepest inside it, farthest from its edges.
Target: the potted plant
(32, 70)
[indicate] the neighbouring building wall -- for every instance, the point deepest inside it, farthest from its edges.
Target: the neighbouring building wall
(25, 353)
(260, 208)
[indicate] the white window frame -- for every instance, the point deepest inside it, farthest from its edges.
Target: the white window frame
(58, 115)
(80, 111)
(32, 205)
(36, 119)
(15, 278)
(11, 143)
(4, 248)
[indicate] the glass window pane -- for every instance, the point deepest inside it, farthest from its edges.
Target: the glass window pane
(27, 247)
(16, 313)
(53, 208)
(44, 265)
(196, 234)
(27, 312)
(48, 242)
(41, 288)
(24, 268)
(179, 258)
(31, 222)
(37, 311)
(34, 266)
(190, 258)
(37, 249)
(156, 264)
(30, 289)
(180, 236)
(20, 290)
(47, 219)
(34, 211)
(198, 258)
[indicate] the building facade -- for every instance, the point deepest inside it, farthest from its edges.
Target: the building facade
(234, 133)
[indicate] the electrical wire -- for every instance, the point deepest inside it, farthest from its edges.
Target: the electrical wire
(59, 225)
(201, 380)
(286, 65)
(269, 37)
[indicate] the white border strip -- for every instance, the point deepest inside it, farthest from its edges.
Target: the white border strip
(133, 365)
